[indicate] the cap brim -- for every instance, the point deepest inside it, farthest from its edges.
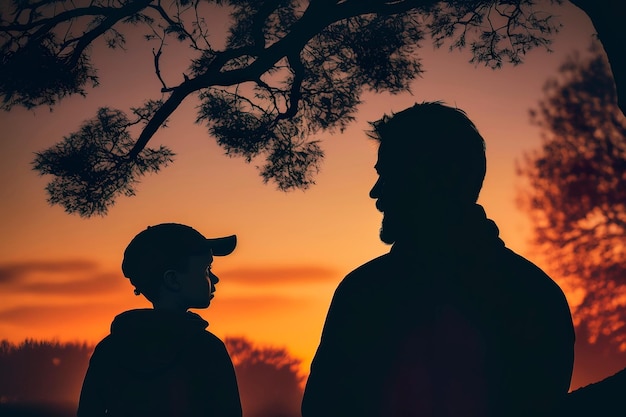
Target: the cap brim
(222, 246)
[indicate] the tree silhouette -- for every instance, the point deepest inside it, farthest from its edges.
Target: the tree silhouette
(289, 70)
(576, 196)
(270, 384)
(42, 371)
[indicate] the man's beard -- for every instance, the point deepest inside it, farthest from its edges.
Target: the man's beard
(388, 231)
(399, 225)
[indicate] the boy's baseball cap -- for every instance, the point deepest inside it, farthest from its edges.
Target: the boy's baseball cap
(154, 248)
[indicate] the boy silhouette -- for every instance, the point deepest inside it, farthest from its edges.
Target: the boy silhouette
(162, 361)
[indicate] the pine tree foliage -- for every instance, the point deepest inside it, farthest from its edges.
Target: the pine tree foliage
(290, 71)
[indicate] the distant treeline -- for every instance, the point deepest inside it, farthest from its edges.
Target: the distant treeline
(42, 371)
(44, 378)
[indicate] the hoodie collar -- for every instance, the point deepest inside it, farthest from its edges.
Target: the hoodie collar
(148, 320)
(467, 231)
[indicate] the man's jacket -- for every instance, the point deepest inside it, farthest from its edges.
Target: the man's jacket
(448, 325)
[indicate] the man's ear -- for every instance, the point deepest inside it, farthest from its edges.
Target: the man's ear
(171, 280)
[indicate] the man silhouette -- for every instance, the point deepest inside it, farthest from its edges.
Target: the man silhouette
(450, 322)
(161, 361)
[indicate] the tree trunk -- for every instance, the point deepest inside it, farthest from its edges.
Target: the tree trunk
(609, 24)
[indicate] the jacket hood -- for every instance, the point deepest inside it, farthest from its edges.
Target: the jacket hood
(149, 341)
(467, 232)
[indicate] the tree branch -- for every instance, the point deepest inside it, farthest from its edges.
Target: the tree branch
(157, 70)
(316, 17)
(296, 85)
(172, 22)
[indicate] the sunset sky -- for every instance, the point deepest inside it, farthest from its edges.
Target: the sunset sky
(60, 274)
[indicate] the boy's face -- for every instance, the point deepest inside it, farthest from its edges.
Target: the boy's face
(198, 282)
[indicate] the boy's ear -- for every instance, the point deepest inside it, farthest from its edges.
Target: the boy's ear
(171, 280)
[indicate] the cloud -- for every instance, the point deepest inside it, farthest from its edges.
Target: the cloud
(66, 277)
(102, 282)
(280, 275)
(16, 271)
(54, 315)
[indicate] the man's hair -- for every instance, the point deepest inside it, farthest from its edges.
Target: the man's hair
(439, 138)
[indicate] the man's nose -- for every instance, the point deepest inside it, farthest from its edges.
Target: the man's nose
(214, 278)
(375, 191)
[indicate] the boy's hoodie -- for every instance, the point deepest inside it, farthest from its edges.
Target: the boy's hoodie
(163, 363)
